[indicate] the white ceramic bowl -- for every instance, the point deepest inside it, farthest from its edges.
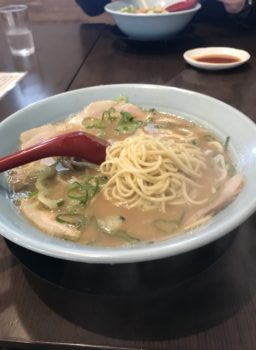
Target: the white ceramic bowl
(149, 26)
(214, 114)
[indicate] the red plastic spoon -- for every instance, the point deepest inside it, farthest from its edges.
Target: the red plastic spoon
(181, 5)
(74, 144)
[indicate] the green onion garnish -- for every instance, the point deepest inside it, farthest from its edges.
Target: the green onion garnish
(226, 143)
(77, 220)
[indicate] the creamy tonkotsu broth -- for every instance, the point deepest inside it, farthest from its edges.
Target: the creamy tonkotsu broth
(163, 175)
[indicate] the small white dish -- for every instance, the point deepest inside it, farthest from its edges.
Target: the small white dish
(204, 57)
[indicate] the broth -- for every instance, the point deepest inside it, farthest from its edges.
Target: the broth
(65, 200)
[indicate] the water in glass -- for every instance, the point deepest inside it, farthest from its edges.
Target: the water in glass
(21, 42)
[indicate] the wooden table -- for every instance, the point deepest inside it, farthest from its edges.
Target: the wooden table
(213, 309)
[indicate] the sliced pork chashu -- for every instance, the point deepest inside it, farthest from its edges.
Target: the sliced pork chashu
(230, 190)
(45, 220)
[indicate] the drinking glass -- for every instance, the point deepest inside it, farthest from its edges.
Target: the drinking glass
(14, 19)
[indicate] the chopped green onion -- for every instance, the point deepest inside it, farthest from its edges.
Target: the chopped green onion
(129, 127)
(128, 123)
(126, 117)
(226, 143)
(32, 194)
(98, 124)
(72, 210)
(78, 192)
(93, 123)
(84, 190)
(108, 115)
(77, 220)
(92, 185)
(122, 99)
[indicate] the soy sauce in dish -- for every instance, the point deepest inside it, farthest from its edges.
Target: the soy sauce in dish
(217, 59)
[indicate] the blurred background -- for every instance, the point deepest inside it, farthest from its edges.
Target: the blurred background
(54, 11)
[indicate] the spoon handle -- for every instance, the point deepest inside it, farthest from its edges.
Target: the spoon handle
(75, 144)
(181, 5)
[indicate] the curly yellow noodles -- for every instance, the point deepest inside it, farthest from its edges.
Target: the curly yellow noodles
(153, 171)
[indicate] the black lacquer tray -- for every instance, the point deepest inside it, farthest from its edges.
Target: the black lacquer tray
(122, 279)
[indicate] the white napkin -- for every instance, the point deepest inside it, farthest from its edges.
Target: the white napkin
(8, 80)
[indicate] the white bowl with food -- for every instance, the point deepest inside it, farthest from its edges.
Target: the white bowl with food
(179, 173)
(154, 24)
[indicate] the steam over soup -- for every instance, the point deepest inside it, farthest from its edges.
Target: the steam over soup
(163, 175)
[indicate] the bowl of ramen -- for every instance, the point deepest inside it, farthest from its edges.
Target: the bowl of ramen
(179, 173)
(149, 23)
